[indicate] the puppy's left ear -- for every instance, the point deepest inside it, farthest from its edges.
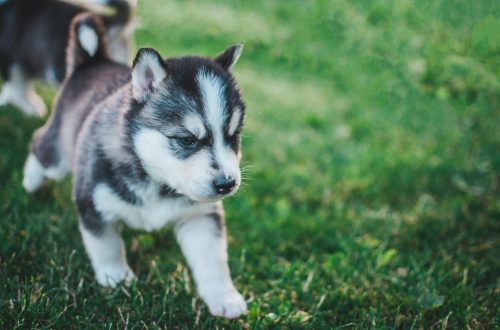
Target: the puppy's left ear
(148, 71)
(227, 59)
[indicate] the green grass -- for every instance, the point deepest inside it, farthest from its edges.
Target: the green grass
(373, 158)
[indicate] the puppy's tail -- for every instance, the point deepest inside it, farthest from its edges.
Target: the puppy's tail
(123, 12)
(120, 25)
(87, 41)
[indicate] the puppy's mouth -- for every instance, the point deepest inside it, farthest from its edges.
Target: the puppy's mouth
(212, 198)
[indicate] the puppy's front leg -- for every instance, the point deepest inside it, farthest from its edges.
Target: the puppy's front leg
(203, 242)
(107, 255)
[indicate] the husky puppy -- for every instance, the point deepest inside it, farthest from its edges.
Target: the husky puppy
(155, 145)
(33, 39)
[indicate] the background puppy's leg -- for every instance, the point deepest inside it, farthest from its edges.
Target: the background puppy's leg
(107, 255)
(35, 102)
(203, 242)
(17, 90)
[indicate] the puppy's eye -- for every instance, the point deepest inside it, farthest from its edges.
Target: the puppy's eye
(186, 141)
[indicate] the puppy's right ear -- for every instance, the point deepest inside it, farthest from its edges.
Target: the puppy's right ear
(148, 72)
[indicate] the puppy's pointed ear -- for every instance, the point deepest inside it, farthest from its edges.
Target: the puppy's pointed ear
(148, 71)
(228, 58)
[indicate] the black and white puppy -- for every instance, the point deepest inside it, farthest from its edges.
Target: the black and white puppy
(33, 39)
(155, 145)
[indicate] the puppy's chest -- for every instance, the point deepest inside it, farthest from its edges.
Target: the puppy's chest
(150, 212)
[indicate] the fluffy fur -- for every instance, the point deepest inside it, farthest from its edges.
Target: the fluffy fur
(33, 39)
(152, 146)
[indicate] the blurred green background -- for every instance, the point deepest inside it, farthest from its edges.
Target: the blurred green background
(371, 157)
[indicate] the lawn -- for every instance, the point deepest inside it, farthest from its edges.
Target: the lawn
(372, 191)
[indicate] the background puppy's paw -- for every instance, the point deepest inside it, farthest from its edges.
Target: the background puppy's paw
(38, 106)
(229, 304)
(110, 276)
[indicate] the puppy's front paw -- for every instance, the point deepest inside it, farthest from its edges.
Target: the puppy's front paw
(111, 275)
(227, 303)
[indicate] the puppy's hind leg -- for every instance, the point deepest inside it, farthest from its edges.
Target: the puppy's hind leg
(33, 174)
(45, 159)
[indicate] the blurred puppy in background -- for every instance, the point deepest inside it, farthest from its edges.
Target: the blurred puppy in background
(33, 41)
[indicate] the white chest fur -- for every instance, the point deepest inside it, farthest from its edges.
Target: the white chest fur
(153, 213)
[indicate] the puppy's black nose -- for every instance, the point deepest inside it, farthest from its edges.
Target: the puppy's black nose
(224, 185)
